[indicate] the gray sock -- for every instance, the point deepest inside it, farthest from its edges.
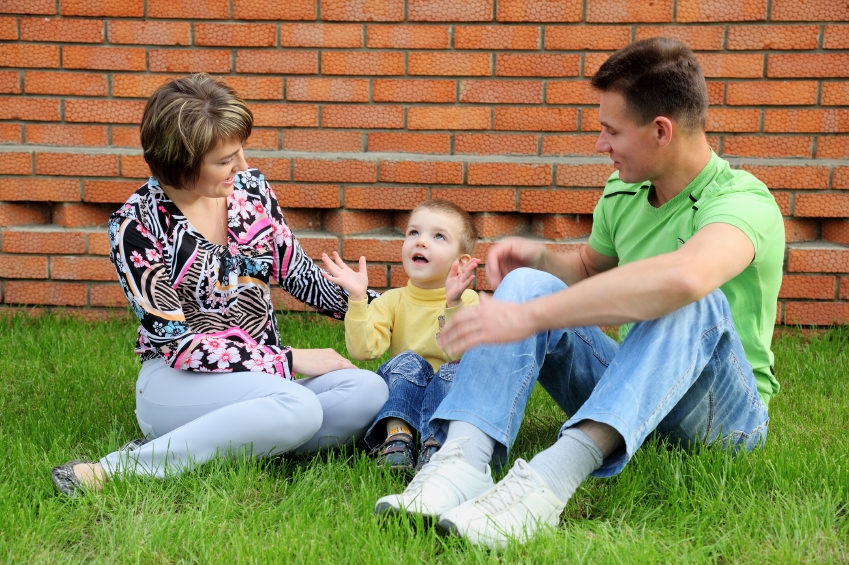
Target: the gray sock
(566, 464)
(478, 450)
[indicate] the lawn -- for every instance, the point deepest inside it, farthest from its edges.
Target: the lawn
(66, 391)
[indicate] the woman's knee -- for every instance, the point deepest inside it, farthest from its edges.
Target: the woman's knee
(300, 408)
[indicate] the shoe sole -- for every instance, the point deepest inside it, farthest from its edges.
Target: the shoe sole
(449, 527)
(386, 509)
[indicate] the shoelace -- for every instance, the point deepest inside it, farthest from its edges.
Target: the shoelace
(449, 450)
(515, 485)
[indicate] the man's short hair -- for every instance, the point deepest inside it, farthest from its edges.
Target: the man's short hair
(184, 120)
(468, 234)
(659, 76)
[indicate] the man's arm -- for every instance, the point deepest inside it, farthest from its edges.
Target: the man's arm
(642, 290)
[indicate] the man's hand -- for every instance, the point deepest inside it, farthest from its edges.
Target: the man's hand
(355, 282)
(459, 279)
(512, 253)
(493, 321)
(315, 362)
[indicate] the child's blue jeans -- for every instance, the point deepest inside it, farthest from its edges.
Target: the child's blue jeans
(415, 392)
(683, 376)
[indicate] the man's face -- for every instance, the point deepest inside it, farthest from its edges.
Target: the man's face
(632, 147)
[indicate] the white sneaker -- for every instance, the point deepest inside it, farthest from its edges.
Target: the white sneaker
(445, 482)
(516, 508)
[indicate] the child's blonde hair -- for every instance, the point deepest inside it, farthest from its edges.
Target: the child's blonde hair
(468, 234)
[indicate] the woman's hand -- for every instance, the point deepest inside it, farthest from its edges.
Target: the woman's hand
(315, 362)
(355, 282)
(459, 279)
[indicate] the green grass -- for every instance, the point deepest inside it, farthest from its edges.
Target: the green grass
(66, 391)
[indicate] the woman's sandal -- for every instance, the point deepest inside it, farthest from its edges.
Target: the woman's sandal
(65, 480)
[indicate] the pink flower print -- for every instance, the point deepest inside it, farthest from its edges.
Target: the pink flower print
(162, 209)
(196, 359)
(256, 362)
(256, 207)
(223, 357)
(212, 344)
(152, 255)
(239, 201)
(281, 233)
(143, 230)
(138, 260)
(233, 248)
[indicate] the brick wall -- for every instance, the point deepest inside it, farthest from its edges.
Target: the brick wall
(366, 107)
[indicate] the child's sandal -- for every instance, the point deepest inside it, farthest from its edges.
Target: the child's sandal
(396, 452)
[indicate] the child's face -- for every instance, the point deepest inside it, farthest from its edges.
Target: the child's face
(431, 245)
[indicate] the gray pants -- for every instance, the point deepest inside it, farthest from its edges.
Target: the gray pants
(191, 417)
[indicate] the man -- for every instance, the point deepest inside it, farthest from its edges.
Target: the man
(685, 253)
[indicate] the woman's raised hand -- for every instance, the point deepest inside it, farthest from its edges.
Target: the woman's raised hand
(459, 278)
(354, 282)
(315, 362)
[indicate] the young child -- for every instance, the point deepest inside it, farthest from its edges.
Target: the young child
(436, 255)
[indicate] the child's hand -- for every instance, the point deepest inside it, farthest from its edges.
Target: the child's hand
(355, 282)
(459, 279)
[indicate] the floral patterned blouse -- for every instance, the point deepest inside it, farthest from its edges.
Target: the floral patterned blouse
(206, 307)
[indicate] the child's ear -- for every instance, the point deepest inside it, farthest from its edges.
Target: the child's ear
(464, 258)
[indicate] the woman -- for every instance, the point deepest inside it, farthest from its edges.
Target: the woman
(195, 249)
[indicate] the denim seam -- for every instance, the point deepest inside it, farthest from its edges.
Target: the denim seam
(583, 338)
(519, 394)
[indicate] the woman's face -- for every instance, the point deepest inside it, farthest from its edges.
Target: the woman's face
(219, 168)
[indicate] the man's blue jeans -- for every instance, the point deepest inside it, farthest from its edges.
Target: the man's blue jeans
(415, 391)
(683, 376)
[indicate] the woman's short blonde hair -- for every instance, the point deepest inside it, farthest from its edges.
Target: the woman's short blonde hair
(184, 120)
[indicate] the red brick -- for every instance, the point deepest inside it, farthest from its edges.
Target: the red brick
(10, 133)
(407, 37)
(108, 191)
(816, 313)
(43, 242)
(783, 201)
(558, 201)
(821, 205)
(23, 214)
(362, 10)
(134, 166)
(698, 38)
(799, 230)
(515, 174)
(772, 146)
(453, 118)
(562, 227)
(409, 142)
(841, 177)
(344, 170)
(66, 135)
(256, 88)
(803, 10)
(377, 275)
(479, 199)
(303, 219)
(389, 90)
(373, 249)
(720, 119)
(65, 31)
(308, 195)
(802, 286)
(760, 93)
(57, 294)
(832, 147)
(372, 117)
(273, 168)
(8, 28)
(29, 56)
(16, 108)
(189, 9)
(148, 33)
(499, 225)
(804, 177)
(239, 35)
(836, 231)
(125, 136)
(98, 243)
(722, 65)
(536, 65)
(496, 37)
(814, 65)
(818, 260)
(720, 11)
(495, 144)
(362, 63)
(15, 267)
(108, 295)
(450, 64)
(315, 246)
(53, 190)
(773, 37)
(844, 288)
(274, 10)
(104, 111)
(716, 93)
(800, 121)
(70, 164)
(191, 61)
(327, 89)
(346, 222)
(75, 84)
(836, 37)
(536, 119)
(104, 58)
(501, 92)
(589, 120)
(583, 175)
(571, 92)
(10, 82)
(424, 172)
(380, 198)
(29, 7)
(321, 35)
(539, 11)
(17, 163)
(322, 141)
(285, 115)
(138, 86)
(835, 94)
(633, 11)
(569, 144)
(82, 268)
(583, 38)
(103, 8)
(449, 11)
(593, 61)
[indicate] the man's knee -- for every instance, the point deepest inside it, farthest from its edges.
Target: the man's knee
(526, 284)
